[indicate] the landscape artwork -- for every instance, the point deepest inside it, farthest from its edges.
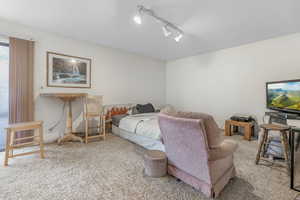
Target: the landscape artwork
(284, 95)
(68, 71)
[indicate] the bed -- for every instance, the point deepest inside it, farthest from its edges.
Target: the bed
(141, 129)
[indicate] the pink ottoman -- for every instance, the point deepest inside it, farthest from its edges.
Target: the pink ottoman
(155, 163)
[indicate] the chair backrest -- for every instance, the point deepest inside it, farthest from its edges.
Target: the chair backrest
(93, 104)
(186, 144)
(212, 130)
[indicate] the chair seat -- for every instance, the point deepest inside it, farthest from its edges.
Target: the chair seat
(226, 149)
(275, 127)
(93, 114)
(24, 125)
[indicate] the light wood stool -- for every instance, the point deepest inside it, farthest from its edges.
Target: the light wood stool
(14, 143)
(283, 130)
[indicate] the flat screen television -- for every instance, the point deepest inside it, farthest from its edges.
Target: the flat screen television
(284, 96)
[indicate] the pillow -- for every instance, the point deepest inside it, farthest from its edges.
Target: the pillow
(147, 108)
(132, 111)
(169, 110)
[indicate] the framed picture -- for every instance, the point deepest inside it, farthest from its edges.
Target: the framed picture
(68, 71)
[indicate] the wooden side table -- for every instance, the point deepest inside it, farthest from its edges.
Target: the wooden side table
(67, 98)
(248, 127)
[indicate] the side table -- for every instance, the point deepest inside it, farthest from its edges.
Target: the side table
(248, 128)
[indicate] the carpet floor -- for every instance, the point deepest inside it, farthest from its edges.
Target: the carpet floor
(113, 170)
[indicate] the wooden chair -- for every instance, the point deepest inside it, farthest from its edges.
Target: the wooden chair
(24, 141)
(283, 130)
(93, 108)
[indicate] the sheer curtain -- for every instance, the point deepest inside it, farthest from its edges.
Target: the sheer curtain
(21, 105)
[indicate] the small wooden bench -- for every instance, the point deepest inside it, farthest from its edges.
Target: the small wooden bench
(23, 141)
(248, 128)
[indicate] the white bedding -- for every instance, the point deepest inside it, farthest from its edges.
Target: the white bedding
(145, 142)
(145, 124)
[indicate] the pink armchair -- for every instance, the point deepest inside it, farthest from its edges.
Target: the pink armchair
(196, 154)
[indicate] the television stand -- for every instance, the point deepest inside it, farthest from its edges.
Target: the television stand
(281, 117)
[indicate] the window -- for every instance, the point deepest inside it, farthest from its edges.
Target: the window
(4, 74)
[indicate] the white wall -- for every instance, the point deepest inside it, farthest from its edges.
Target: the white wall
(119, 76)
(231, 81)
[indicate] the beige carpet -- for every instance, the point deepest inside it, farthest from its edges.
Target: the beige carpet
(113, 170)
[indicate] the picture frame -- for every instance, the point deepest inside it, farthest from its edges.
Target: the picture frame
(68, 71)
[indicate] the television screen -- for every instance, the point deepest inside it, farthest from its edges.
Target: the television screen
(284, 96)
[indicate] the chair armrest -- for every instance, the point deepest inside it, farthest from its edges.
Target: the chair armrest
(227, 148)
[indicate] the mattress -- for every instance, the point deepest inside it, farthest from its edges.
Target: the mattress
(145, 124)
(117, 118)
(145, 142)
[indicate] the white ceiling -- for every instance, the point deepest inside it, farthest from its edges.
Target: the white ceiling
(209, 24)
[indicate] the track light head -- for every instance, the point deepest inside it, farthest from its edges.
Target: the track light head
(137, 19)
(166, 31)
(178, 37)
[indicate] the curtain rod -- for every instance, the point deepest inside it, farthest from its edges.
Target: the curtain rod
(16, 36)
(6, 44)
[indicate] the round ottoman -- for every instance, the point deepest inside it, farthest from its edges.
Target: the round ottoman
(155, 163)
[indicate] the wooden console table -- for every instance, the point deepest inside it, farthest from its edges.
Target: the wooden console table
(68, 98)
(248, 128)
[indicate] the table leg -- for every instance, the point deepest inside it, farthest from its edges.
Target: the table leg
(235, 129)
(69, 119)
(292, 159)
(227, 128)
(247, 132)
(260, 147)
(69, 136)
(284, 144)
(7, 147)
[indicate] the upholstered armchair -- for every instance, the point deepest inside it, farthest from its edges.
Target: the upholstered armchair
(196, 153)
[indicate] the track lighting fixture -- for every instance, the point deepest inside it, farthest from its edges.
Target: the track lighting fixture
(169, 29)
